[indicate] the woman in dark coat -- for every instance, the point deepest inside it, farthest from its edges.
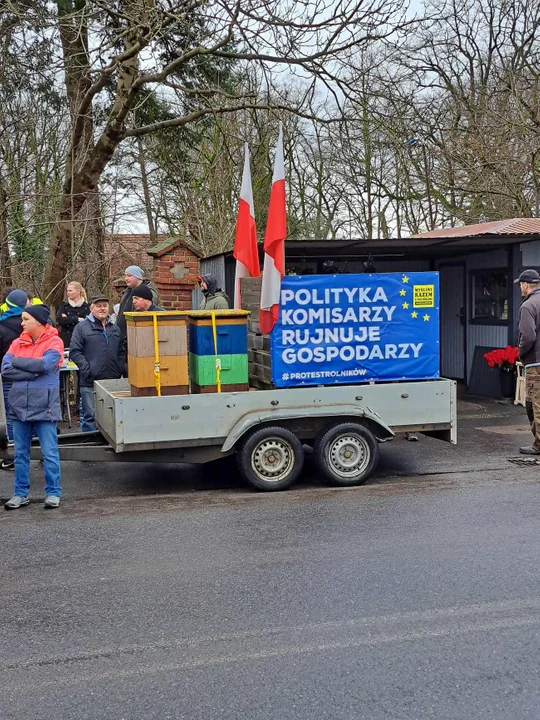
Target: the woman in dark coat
(72, 312)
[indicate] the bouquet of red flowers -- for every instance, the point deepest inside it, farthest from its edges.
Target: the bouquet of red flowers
(503, 358)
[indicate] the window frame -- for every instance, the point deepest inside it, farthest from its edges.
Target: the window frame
(473, 274)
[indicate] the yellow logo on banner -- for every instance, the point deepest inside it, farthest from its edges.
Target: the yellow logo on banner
(423, 296)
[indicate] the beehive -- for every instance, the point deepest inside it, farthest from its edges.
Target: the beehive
(173, 353)
(229, 345)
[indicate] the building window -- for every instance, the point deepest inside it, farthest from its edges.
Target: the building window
(489, 296)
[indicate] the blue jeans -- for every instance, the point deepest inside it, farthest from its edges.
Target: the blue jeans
(88, 414)
(48, 441)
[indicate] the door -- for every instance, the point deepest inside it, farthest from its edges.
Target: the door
(452, 284)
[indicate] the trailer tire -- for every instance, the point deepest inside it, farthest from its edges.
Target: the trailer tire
(271, 458)
(347, 454)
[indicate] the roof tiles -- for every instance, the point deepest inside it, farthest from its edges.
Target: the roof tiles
(514, 226)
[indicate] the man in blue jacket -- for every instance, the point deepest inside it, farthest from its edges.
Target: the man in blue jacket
(96, 349)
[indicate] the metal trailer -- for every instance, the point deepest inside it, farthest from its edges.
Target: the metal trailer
(266, 429)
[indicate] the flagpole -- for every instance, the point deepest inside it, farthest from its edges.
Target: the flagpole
(245, 242)
(274, 243)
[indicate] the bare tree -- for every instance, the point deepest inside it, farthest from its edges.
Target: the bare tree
(475, 70)
(155, 46)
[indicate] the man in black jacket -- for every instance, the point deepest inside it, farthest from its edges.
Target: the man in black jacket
(134, 277)
(529, 351)
(143, 300)
(96, 349)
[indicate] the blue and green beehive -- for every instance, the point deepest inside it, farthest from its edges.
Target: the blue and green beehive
(229, 345)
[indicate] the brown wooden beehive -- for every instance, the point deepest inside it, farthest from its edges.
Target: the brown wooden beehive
(173, 353)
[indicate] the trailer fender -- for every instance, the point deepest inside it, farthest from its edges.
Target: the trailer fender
(251, 420)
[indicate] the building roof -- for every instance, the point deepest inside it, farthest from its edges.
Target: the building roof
(169, 243)
(445, 242)
(514, 226)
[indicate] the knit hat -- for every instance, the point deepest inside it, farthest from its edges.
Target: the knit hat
(136, 271)
(17, 298)
(41, 313)
(143, 291)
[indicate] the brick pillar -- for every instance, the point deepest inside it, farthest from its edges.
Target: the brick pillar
(175, 275)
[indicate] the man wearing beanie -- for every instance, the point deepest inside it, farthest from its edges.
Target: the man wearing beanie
(10, 322)
(143, 300)
(10, 329)
(32, 363)
(134, 278)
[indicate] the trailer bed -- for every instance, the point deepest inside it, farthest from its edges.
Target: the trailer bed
(135, 424)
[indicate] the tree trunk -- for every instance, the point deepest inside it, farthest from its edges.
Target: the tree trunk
(146, 191)
(89, 259)
(86, 161)
(5, 257)
(74, 196)
(78, 240)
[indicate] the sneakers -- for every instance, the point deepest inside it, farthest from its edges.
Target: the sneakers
(411, 437)
(16, 502)
(7, 465)
(529, 450)
(51, 501)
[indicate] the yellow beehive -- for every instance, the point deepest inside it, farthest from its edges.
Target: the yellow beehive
(172, 349)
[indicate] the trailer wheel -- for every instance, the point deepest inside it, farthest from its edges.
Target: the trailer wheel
(271, 458)
(347, 454)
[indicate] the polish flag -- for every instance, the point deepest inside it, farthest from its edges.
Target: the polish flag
(245, 241)
(274, 244)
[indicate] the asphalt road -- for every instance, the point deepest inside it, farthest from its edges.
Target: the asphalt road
(415, 596)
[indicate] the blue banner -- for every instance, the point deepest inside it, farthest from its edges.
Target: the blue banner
(356, 328)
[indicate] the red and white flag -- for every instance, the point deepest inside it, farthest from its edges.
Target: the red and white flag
(245, 241)
(274, 244)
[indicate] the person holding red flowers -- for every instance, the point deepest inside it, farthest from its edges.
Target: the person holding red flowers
(529, 351)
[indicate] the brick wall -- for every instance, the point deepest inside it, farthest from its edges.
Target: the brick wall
(122, 250)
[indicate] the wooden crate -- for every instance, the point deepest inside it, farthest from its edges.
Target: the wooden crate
(172, 335)
(199, 389)
(234, 369)
(173, 370)
(173, 353)
(152, 392)
(231, 333)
